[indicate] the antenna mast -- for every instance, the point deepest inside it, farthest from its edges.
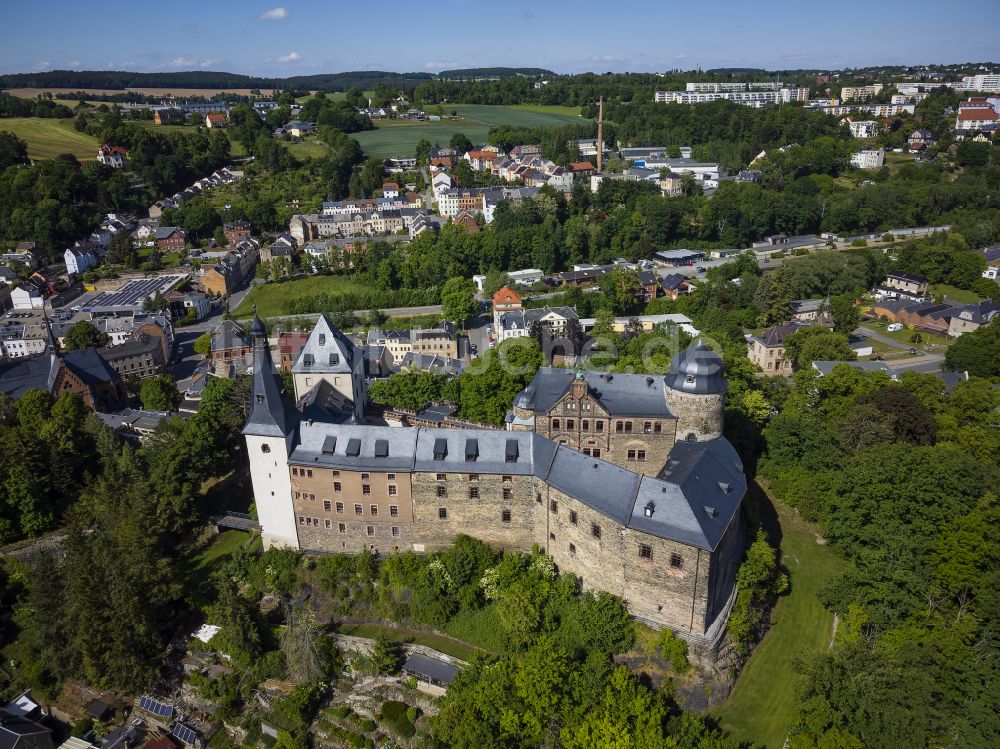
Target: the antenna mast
(600, 136)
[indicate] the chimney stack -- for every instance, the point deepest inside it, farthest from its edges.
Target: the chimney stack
(600, 136)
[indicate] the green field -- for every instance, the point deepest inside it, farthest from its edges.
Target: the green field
(270, 298)
(47, 138)
(761, 704)
(444, 644)
(399, 137)
(953, 294)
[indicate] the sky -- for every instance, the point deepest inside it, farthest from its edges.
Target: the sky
(302, 37)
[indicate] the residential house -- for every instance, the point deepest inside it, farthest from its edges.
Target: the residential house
(809, 311)
(230, 347)
(970, 317)
(195, 301)
(868, 158)
(170, 238)
(440, 341)
(583, 170)
(467, 221)
(554, 320)
(505, 300)
(283, 246)
(140, 357)
(441, 182)
(767, 350)
(27, 296)
(862, 128)
(113, 156)
(390, 190)
(215, 119)
(18, 732)
(929, 316)
(975, 114)
(299, 129)
(168, 116)
(649, 285)
(675, 285)
(233, 269)
(80, 259)
(903, 286)
(236, 231)
(919, 140)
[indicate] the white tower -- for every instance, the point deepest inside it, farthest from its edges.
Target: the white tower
(269, 433)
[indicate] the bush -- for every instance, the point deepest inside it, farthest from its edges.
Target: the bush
(396, 716)
(675, 650)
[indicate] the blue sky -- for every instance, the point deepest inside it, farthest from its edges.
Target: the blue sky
(292, 37)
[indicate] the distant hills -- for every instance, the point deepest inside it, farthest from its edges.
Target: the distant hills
(363, 79)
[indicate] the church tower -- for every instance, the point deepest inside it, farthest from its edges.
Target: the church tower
(269, 433)
(696, 393)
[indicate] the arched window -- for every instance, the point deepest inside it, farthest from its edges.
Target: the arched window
(265, 448)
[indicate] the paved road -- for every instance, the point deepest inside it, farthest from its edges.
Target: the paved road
(925, 360)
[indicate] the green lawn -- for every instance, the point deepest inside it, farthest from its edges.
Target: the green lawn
(270, 298)
(308, 148)
(48, 138)
(446, 645)
(761, 704)
(399, 137)
(904, 335)
(224, 544)
(236, 148)
(953, 294)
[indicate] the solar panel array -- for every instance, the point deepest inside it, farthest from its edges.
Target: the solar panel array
(184, 734)
(133, 292)
(155, 707)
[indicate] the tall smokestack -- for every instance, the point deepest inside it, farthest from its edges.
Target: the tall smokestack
(600, 136)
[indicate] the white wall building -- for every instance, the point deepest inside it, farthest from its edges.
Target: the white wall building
(988, 83)
(863, 128)
(27, 297)
(869, 158)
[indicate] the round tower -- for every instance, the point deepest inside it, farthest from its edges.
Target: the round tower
(696, 393)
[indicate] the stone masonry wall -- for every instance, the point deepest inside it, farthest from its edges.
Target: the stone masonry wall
(700, 415)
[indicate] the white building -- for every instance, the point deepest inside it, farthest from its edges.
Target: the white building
(714, 88)
(113, 156)
(747, 98)
(869, 158)
(27, 297)
(988, 83)
(863, 128)
(79, 260)
(860, 93)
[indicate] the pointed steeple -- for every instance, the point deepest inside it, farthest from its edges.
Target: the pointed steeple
(269, 415)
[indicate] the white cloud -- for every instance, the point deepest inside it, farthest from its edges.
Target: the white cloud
(43, 64)
(290, 57)
(189, 62)
(275, 14)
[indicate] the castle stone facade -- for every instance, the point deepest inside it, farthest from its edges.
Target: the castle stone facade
(663, 533)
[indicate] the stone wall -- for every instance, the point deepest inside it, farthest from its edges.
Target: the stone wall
(700, 415)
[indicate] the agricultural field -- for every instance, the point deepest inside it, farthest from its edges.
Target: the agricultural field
(400, 137)
(47, 138)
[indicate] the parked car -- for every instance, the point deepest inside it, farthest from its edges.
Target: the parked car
(893, 327)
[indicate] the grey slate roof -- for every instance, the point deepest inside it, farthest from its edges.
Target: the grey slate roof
(270, 413)
(619, 394)
(89, 366)
(697, 369)
(431, 668)
(326, 350)
(18, 376)
(603, 486)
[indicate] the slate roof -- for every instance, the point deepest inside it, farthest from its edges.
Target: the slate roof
(980, 312)
(327, 350)
(14, 732)
(229, 334)
(911, 277)
(18, 376)
(270, 413)
(697, 369)
(89, 366)
(619, 394)
(432, 668)
(773, 337)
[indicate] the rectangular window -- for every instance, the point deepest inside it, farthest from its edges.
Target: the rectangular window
(630, 455)
(327, 505)
(394, 511)
(572, 516)
(365, 477)
(676, 562)
(572, 550)
(645, 551)
(555, 423)
(508, 494)
(598, 426)
(336, 486)
(442, 477)
(370, 530)
(442, 491)
(395, 531)
(553, 507)
(442, 513)
(507, 479)
(595, 530)
(657, 427)
(336, 474)
(327, 524)
(366, 489)
(571, 406)
(640, 455)
(538, 498)
(628, 427)
(340, 506)
(312, 497)
(473, 477)
(647, 427)
(302, 520)
(295, 471)
(619, 426)
(309, 472)
(374, 510)
(392, 490)
(473, 492)
(358, 510)
(596, 452)
(570, 424)
(585, 425)
(505, 516)
(342, 527)
(390, 477)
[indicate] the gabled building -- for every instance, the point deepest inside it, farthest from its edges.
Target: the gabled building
(113, 156)
(230, 348)
(236, 231)
(170, 238)
(971, 317)
(330, 357)
(767, 350)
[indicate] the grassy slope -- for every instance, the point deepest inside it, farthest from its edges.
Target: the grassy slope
(270, 298)
(399, 137)
(446, 645)
(760, 707)
(47, 138)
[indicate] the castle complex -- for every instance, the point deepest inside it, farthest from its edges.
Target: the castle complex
(624, 480)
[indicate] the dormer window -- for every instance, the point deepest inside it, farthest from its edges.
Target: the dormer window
(322, 339)
(334, 359)
(440, 448)
(648, 509)
(308, 360)
(689, 379)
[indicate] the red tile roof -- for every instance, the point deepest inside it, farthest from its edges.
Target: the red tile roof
(977, 114)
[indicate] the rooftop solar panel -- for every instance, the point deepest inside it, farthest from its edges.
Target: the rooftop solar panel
(184, 734)
(155, 707)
